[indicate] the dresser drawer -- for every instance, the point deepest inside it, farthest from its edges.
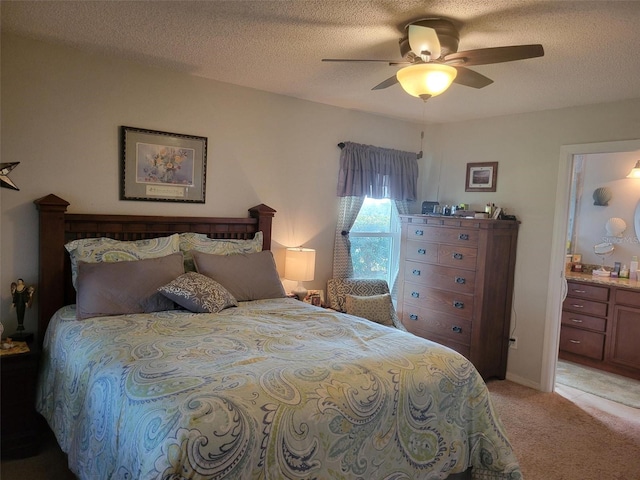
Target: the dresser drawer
(579, 320)
(427, 323)
(590, 292)
(586, 307)
(460, 257)
(436, 276)
(628, 297)
(441, 301)
(457, 236)
(422, 252)
(582, 342)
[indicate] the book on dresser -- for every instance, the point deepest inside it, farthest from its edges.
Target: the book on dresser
(456, 285)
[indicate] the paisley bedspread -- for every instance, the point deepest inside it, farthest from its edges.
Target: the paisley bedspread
(271, 389)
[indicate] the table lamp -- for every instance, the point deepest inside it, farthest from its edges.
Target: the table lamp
(300, 265)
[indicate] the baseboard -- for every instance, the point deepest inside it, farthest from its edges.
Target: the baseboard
(523, 381)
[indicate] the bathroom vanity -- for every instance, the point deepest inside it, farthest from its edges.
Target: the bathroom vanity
(601, 323)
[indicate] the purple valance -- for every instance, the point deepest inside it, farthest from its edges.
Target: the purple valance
(377, 172)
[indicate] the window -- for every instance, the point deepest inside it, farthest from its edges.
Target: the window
(375, 240)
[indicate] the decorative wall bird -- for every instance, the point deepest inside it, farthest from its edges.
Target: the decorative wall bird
(5, 181)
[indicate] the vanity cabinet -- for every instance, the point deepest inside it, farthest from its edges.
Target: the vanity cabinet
(456, 284)
(600, 327)
(584, 320)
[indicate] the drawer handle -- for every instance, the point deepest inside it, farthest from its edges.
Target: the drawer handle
(422, 251)
(580, 291)
(415, 294)
(457, 256)
(458, 304)
(577, 342)
(416, 272)
(577, 306)
(413, 316)
(461, 280)
(463, 236)
(456, 329)
(576, 320)
(419, 233)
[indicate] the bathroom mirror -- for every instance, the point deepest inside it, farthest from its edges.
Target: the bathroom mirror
(636, 220)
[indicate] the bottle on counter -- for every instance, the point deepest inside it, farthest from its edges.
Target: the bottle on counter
(624, 272)
(633, 268)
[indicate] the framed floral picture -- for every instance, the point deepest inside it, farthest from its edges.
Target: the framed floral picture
(162, 166)
(481, 177)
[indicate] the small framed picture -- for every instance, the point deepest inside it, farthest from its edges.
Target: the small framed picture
(162, 166)
(496, 213)
(481, 177)
(315, 297)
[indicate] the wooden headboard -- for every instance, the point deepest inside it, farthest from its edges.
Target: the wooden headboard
(58, 227)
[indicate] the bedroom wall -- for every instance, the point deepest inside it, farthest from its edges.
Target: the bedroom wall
(61, 112)
(527, 148)
(60, 115)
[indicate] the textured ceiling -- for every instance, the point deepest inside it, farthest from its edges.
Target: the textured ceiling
(591, 47)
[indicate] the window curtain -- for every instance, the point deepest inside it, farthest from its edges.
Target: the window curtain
(347, 214)
(368, 171)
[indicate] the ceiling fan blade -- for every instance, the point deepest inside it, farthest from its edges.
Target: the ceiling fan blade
(470, 78)
(485, 56)
(387, 83)
(424, 41)
(362, 60)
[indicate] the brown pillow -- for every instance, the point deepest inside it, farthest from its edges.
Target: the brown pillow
(113, 288)
(198, 293)
(247, 276)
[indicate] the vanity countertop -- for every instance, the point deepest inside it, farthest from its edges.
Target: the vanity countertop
(614, 282)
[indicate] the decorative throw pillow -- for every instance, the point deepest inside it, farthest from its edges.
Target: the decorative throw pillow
(95, 250)
(113, 288)
(200, 242)
(198, 293)
(251, 276)
(376, 308)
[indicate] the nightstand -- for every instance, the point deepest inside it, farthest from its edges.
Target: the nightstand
(18, 417)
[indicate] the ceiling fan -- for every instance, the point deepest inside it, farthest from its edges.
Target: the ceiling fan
(429, 48)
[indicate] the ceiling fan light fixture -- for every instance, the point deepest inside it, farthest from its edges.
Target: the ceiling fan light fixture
(426, 79)
(424, 39)
(635, 171)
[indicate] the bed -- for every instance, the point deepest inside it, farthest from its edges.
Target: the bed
(267, 387)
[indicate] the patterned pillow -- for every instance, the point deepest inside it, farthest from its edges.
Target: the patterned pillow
(376, 308)
(96, 250)
(198, 294)
(201, 243)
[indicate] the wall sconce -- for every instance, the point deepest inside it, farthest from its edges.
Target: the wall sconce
(635, 171)
(300, 265)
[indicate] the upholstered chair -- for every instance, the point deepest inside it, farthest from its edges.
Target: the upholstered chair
(367, 298)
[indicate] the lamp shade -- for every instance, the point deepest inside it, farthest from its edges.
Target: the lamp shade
(300, 264)
(635, 171)
(426, 80)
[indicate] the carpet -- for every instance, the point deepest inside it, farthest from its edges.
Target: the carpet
(555, 438)
(603, 384)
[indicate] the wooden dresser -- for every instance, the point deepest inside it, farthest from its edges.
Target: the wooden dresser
(456, 285)
(600, 326)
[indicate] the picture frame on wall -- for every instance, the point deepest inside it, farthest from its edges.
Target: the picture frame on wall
(162, 166)
(481, 177)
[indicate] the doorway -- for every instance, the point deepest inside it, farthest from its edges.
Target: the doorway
(557, 284)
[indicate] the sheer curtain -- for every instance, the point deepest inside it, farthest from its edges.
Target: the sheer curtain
(375, 172)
